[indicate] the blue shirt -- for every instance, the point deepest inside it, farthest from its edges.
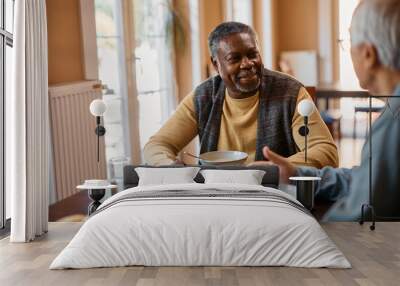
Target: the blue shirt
(349, 188)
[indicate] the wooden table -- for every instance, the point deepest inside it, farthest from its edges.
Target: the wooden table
(335, 91)
(374, 255)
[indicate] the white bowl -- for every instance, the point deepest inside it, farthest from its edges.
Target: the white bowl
(223, 158)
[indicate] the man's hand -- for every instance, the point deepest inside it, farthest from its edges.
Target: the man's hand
(178, 162)
(286, 169)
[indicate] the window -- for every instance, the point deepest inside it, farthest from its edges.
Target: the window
(354, 125)
(6, 44)
(348, 77)
(111, 67)
(240, 11)
(154, 66)
(152, 60)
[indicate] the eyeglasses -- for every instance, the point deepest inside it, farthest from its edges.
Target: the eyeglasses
(344, 44)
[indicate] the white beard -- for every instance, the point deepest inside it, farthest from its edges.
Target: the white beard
(247, 90)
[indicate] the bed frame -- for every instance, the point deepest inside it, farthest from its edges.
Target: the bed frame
(270, 179)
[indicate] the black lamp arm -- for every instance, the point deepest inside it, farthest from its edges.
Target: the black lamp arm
(100, 131)
(305, 137)
(303, 131)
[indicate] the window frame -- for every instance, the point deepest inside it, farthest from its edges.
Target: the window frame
(6, 39)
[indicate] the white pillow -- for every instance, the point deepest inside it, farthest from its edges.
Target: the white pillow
(248, 177)
(166, 176)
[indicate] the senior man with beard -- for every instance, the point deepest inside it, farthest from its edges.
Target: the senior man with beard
(375, 51)
(243, 108)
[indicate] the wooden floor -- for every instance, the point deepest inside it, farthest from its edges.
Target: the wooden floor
(375, 257)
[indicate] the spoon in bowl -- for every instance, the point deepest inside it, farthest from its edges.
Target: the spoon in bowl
(191, 155)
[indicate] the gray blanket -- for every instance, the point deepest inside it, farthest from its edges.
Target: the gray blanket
(206, 194)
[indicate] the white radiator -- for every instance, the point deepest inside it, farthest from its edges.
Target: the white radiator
(74, 141)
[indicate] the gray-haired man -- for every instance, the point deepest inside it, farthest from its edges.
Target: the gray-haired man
(375, 51)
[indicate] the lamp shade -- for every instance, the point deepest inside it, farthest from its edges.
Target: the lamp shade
(97, 107)
(305, 107)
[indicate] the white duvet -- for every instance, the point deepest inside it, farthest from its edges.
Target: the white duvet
(200, 231)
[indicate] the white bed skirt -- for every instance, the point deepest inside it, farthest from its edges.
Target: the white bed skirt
(200, 232)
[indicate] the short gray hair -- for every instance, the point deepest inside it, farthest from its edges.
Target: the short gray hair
(224, 30)
(377, 22)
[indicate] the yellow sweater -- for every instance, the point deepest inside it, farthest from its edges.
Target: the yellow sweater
(239, 132)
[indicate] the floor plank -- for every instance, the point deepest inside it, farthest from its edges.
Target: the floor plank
(375, 256)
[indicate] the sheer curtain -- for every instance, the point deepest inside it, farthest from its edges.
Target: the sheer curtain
(27, 134)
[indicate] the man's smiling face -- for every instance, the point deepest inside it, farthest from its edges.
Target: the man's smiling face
(238, 62)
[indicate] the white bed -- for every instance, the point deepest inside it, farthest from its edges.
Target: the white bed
(185, 230)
